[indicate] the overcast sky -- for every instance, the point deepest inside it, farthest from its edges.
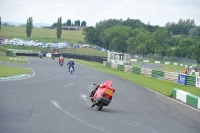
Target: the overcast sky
(157, 12)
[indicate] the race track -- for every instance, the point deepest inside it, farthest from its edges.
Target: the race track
(53, 101)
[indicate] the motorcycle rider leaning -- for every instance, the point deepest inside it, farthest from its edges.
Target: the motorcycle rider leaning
(71, 64)
(61, 59)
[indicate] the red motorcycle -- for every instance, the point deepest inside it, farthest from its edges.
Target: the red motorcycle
(102, 95)
(61, 62)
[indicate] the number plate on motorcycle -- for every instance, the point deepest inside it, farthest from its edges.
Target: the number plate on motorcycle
(109, 92)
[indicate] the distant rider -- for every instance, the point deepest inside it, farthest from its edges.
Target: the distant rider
(71, 64)
(52, 56)
(61, 59)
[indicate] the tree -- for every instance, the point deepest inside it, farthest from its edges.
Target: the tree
(134, 23)
(194, 32)
(174, 40)
(116, 37)
(29, 26)
(143, 36)
(69, 23)
(142, 48)
(54, 25)
(182, 27)
(150, 45)
(91, 35)
(59, 27)
(196, 52)
(0, 23)
(83, 23)
(132, 44)
(103, 25)
(64, 24)
(161, 36)
(185, 48)
(77, 23)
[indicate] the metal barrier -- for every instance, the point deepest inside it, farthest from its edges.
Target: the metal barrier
(191, 80)
(9, 54)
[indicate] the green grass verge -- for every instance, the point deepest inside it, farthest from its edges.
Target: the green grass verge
(13, 59)
(7, 71)
(42, 34)
(33, 49)
(160, 86)
(172, 68)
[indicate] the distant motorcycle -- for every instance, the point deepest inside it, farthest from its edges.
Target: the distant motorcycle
(71, 70)
(52, 56)
(40, 55)
(61, 63)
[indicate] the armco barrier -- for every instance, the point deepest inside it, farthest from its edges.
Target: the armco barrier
(190, 80)
(120, 67)
(136, 70)
(186, 98)
(29, 54)
(158, 74)
(68, 55)
(9, 54)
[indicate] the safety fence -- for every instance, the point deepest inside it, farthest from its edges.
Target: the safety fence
(167, 63)
(162, 75)
(182, 60)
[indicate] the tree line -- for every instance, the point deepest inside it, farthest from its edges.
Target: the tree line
(58, 25)
(131, 36)
(70, 23)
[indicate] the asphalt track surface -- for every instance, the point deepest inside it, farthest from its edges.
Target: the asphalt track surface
(53, 101)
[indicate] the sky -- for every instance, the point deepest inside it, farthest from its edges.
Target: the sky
(155, 12)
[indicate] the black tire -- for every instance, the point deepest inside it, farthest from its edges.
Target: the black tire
(71, 71)
(92, 105)
(99, 108)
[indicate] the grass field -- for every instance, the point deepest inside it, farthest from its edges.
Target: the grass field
(7, 71)
(85, 51)
(13, 59)
(42, 34)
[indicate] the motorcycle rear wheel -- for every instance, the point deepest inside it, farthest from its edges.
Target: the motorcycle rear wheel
(92, 105)
(99, 108)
